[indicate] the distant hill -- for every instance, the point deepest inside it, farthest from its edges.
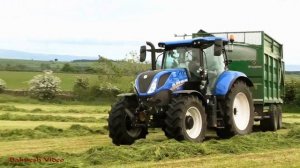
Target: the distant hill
(13, 54)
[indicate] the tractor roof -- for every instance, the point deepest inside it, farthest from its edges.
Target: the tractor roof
(190, 42)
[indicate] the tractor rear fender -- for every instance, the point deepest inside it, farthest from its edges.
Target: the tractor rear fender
(191, 92)
(227, 79)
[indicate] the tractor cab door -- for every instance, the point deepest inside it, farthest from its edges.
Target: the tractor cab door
(215, 65)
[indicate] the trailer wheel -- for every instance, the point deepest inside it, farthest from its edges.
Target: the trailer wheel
(186, 119)
(119, 123)
(239, 111)
(271, 123)
(279, 114)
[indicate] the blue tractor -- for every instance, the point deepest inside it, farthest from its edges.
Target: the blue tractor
(191, 91)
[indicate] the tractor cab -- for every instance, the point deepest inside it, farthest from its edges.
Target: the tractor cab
(201, 62)
(192, 64)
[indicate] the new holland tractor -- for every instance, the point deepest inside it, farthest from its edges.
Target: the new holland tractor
(191, 91)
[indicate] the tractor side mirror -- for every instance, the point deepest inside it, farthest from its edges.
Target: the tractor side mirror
(218, 47)
(143, 53)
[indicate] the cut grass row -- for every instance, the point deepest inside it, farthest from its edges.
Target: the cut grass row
(29, 117)
(77, 115)
(162, 149)
(15, 107)
(44, 131)
(4, 124)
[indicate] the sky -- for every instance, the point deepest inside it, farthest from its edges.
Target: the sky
(113, 28)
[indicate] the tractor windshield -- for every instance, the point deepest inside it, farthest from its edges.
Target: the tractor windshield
(180, 57)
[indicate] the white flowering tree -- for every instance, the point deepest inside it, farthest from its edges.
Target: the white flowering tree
(2, 85)
(44, 86)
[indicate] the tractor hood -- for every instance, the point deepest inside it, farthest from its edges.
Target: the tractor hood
(151, 82)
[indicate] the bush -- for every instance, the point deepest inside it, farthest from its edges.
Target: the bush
(67, 68)
(44, 86)
(290, 92)
(105, 90)
(2, 85)
(81, 88)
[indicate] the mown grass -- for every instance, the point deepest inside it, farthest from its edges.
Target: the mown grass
(149, 150)
(7, 124)
(54, 109)
(265, 159)
(30, 117)
(62, 114)
(44, 131)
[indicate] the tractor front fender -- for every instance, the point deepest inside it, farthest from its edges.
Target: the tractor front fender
(226, 80)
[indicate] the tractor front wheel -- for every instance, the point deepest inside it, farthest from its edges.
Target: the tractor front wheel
(186, 119)
(120, 126)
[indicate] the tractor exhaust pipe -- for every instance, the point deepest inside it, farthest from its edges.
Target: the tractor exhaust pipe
(153, 55)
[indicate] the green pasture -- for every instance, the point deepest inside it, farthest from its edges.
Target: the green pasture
(19, 80)
(36, 65)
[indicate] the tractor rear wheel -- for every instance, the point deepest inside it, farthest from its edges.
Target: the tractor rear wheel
(120, 125)
(186, 119)
(239, 111)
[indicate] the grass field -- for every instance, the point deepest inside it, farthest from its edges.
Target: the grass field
(86, 144)
(19, 80)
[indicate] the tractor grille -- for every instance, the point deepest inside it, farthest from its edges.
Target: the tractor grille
(163, 80)
(144, 83)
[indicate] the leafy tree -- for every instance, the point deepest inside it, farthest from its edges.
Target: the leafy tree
(45, 66)
(109, 69)
(290, 92)
(67, 68)
(20, 67)
(81, 88)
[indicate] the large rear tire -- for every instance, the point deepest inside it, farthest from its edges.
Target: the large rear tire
(186, 119)
(279, 113)
(119, 123)
(271, 123)
(239, 111)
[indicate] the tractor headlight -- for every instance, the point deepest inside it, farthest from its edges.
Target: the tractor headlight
(152, 86)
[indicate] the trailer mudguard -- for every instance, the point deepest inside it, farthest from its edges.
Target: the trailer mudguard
(225, 81)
